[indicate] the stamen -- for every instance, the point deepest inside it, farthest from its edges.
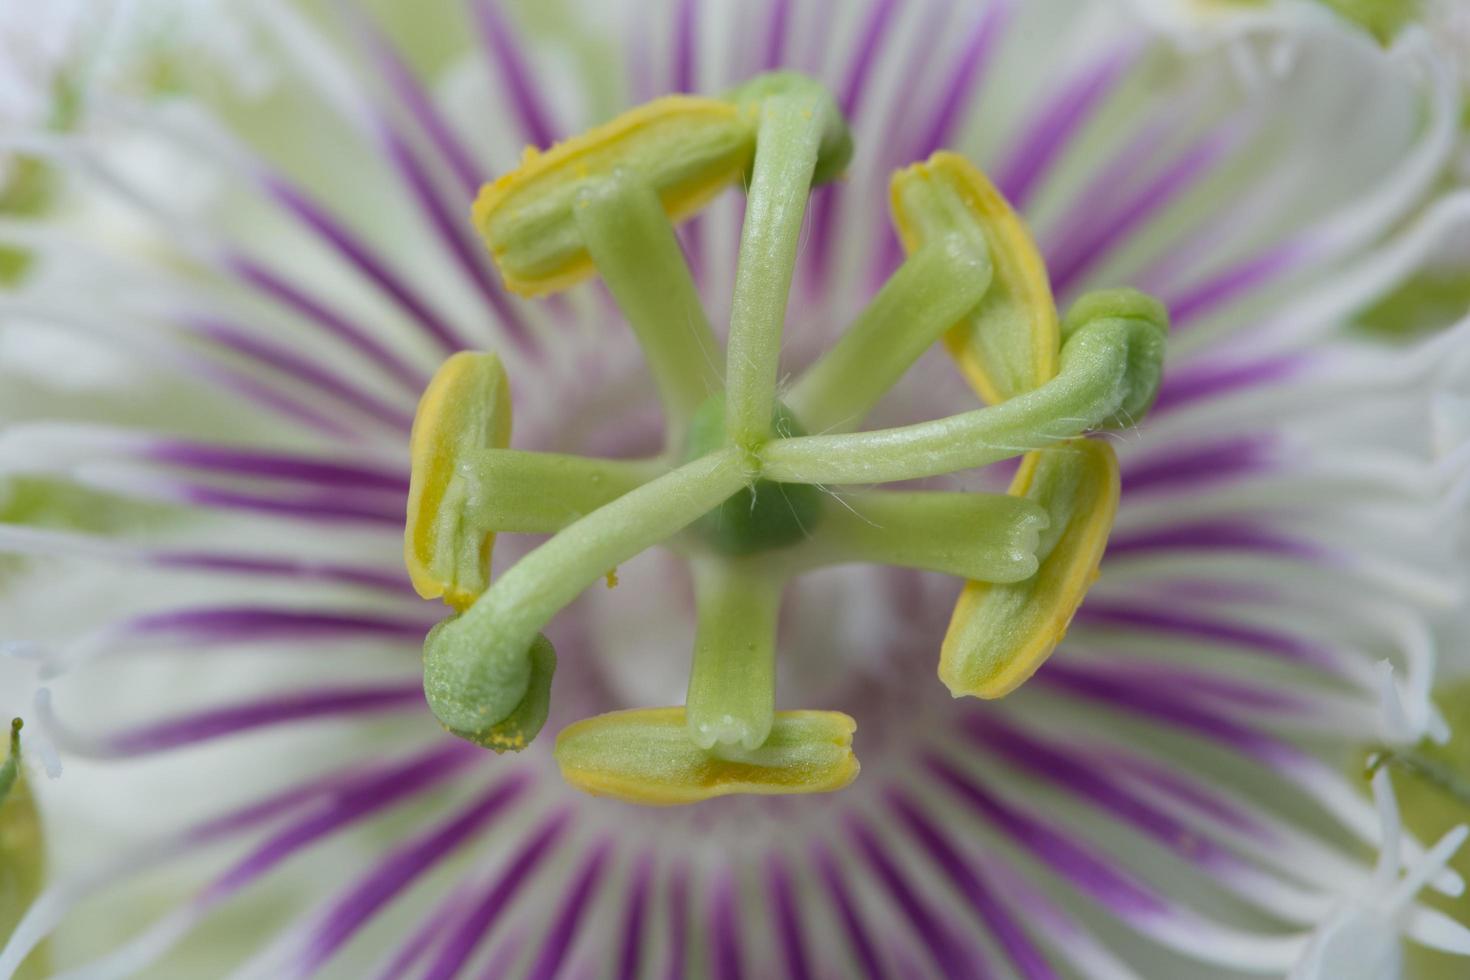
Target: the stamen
(465, 408)
(941, 282)
(752, 488)
(732, 686)
(1009, 344)
(629, 237)
(540, 493)
(988, 537)
(802, 139)
(1000, 633)
(1107, 366)
(478, 667)
(687, 149)
(645, 756)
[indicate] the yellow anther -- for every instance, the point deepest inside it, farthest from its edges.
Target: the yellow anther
(1000, 634)
(645, 756)
(688, 149)
(465, 408)
(1009, 343)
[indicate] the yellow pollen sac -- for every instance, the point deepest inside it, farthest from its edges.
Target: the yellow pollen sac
(1001, 633)
(1009, 343)
(445, 547)
(645, 756)
(687, 149)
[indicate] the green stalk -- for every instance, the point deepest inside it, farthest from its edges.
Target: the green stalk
(627, 233)
(1107, 366)
(732, 686)
(929, 293)
(477, 667)
(540, 493)
(984, 537)
(787, 143)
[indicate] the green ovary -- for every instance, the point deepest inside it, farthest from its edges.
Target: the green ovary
(765, 515)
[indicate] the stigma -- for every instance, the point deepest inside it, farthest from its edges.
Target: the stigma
(739, 490)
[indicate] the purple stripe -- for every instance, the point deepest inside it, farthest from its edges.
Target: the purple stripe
(1187, 384)
(293, 297)
(1027, 959)
(837, 889)
(964, 78)
(390, 877)
(956, 93)
(684, 45)
(505, 52)
(777, 29)
(1077, 254)
(1128, 695)
(207, 373)
(503, 958)
(357, 253)
(860, 69)
(956, 958)
(1038, 910)
(394, 582)
(1083, 219)
(406, 87)
(826, 201)
(439, 920)
(482, 918)
(726, 940)
(1190, 684)
(331, 784)
(678, 924)
(1198, 301)
(1121, 893)
(1189, 466)
(1222, 535)
(786, 917)
(288, 361)
(1193, 794)
(563, 934)
(322, 505)
(1064, 769)
(273, 465)
(412, 777)
(234, 624)
(453, 232)
(297, 706)
(1194, 625)
(630, 959)
(1056, 125)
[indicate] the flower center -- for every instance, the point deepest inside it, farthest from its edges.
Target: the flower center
(739, 492)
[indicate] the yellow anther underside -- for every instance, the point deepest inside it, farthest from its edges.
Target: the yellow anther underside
(1000, 634)
(1009, 345)
(1018, 312)
(645, 756)
(689, 149)
(466, 407)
